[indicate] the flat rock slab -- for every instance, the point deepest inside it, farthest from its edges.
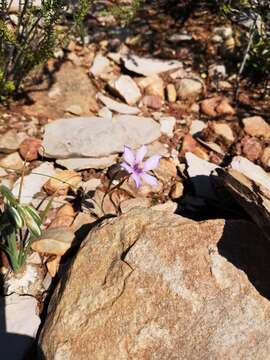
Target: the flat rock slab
(97, 137)
(154, 286)
(117, 106)
(148, 66)
(87, 163)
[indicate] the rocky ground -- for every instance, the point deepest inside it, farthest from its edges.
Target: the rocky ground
(165, 81)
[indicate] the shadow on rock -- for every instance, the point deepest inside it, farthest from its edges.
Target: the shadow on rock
(250, 254)
(11, 346)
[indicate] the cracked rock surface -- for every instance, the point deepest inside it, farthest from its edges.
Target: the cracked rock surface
(150, 285)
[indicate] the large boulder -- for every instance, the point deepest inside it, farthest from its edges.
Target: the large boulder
(154, 286)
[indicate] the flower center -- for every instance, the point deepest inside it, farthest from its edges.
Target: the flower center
(138, 168)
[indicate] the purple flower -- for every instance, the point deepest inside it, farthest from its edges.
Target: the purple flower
(138, 168)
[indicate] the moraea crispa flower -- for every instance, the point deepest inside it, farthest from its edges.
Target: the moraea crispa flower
(135, 165)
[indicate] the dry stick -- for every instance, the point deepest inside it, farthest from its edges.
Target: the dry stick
(37, 173)
(251, 35)
(21, 49)
(21, 182)
(108, 192)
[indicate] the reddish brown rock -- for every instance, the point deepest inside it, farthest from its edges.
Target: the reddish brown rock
(224, 108)
(208, 106)
(153, 101)
(150, 285)
(265, 159)
(190, 145)
(216, 106)
(29, 149)
(251, 148)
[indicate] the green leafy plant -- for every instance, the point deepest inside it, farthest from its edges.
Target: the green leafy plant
(83, 8)
(124, 13)
(252, 20)
(30, 37)
(19, 224)
(28, 42)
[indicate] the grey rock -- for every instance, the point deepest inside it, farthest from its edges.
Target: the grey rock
(251, 171)
(33, 183)
(176, 38)
(167, 125)
(11, 140)
(105, 113)
(87, 163)
(189, 88)
(126, 88)
(217, 70)
(97, 137)
(197, 126)
(117, 106)
(100, 65)
(148, 66)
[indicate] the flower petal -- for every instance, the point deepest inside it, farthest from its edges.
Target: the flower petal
(129, 156)
(140, 154)
(149, 179)
(137, 179)
(127, 167)
(151, 163)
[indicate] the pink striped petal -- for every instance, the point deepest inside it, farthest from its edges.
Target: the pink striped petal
(140, 154)
(151, 163)
(137, 180)
(151, 180)
(127, 167)
(129, 156)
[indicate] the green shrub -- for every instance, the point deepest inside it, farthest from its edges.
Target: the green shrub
(125, 13)
(252, 17)
(31, 41)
